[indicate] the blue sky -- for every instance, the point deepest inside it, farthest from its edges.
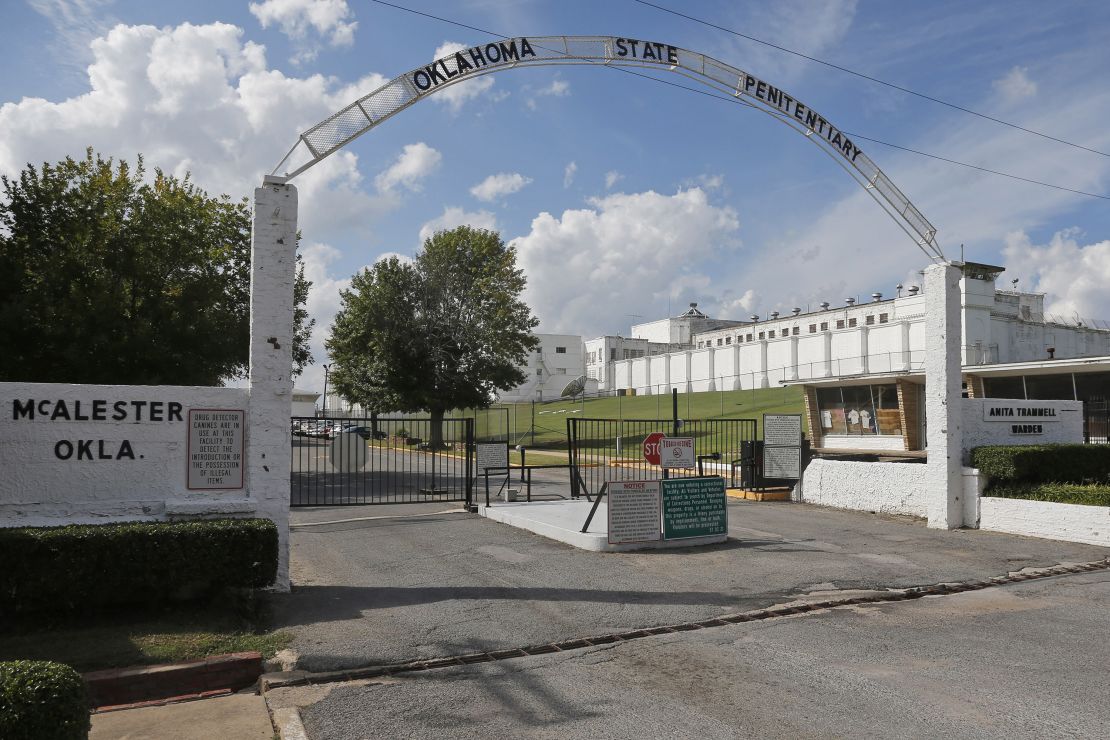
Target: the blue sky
(624, 197)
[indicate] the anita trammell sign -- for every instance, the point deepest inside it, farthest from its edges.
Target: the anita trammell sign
(1024, 417)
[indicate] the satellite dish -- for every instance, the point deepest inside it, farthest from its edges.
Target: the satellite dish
(574, 387)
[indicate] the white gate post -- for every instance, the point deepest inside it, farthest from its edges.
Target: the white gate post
(273, 273)
(943, 397)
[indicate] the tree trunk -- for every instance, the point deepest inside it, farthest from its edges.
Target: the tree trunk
(435, 434)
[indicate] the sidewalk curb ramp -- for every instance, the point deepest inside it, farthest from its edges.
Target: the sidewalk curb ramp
(216, 674)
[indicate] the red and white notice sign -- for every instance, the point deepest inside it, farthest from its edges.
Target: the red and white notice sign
(634, 511)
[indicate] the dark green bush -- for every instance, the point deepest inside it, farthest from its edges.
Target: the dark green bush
(1051, 463)
(63, 569)
(41, 700)
(1091, 494)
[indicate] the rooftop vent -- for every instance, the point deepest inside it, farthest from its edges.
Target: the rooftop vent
(795, 310)
(754, 317)
(913, 290)
(774, 314)
(876, 296)
(850, 301)
(824, 305)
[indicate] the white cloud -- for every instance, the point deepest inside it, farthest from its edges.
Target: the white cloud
(416, 162)
(557, 89)
(612, 177)
(1015, 85)
(626, 253)
(454, 216)
(457, 95)
(852, 247)
(304, 20)
(803, 25)
(76, 23)
(499, 185)
(199, 99)
(568, 174)
(1074, 276)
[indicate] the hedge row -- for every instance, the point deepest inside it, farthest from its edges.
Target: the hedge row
(1051, 463)
(93, 566)
(1092, 494)
(40, 700)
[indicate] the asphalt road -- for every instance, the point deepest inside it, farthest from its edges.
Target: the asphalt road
(1018, 661)
(428, 580)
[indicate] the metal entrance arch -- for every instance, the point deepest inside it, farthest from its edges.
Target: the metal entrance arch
(336, 131)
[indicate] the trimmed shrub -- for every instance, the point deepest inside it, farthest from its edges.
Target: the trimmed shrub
(1052, 463)
(41, 700)
(96, 565)
(1062, 493)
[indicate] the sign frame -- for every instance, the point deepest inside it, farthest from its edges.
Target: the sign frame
(677, 453)
(242, 446)
(646, 486)
(478, 450)
(674, 484)
(783, 439)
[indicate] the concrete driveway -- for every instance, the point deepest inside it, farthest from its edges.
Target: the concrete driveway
(1020, 661)
(388, 584)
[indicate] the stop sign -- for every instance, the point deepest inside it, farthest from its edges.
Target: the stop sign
(651, 447)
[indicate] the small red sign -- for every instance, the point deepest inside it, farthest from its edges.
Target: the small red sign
(651, 447)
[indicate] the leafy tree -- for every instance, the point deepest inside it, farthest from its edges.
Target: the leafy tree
(109, 279)
(444, 331)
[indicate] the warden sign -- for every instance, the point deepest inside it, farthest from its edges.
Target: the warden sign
(1023, 417)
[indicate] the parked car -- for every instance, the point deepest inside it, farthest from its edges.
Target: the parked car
(363, 431)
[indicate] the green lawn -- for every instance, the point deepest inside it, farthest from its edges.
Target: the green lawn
(544, 425)
(185, 633)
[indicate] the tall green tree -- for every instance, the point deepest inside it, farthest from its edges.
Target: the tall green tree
(106, 277)
(444, 331)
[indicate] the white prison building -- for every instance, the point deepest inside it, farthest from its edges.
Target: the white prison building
(883, 335)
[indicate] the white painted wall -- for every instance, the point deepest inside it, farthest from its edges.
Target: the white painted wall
(547, 370)
(978, 431)
(887, 488)
(40, 489)
(1069, 522)
(862, 442)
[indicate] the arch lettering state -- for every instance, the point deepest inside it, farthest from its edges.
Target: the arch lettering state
(338, 130)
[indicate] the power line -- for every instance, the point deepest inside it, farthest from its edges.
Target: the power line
(873, 79)
(729, 99)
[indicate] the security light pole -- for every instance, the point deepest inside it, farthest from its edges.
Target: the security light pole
(326, 369)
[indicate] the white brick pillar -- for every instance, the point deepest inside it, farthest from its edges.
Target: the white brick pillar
(647, 375)
(689, 356)
(273, 272)
(826, 355)
(712, 370)
(792, 370)
(943, 397)
(736, 384)
(761, 377)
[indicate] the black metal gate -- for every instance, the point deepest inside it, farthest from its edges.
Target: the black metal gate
(1096, 423)
(602, 450)
(380, 460)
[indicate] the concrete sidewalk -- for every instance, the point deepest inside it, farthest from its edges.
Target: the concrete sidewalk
(234, 717)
